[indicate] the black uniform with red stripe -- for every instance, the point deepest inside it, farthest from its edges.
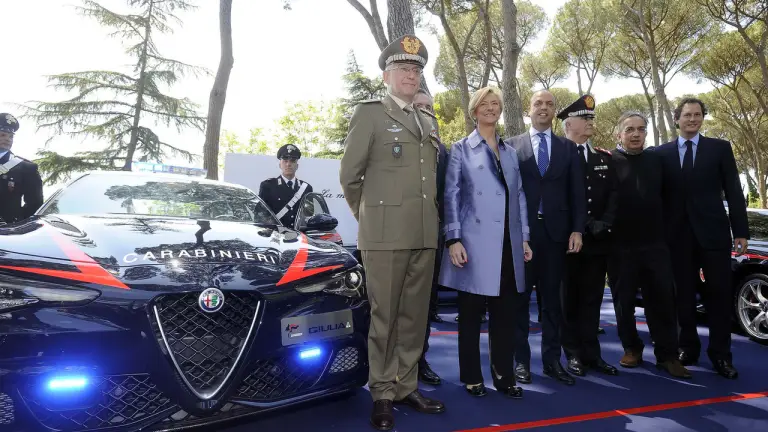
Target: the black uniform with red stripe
(585, 271)
(276, 193)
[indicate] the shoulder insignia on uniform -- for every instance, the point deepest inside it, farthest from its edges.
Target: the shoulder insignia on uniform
(367, 101)
(428, 113)
(603, 150)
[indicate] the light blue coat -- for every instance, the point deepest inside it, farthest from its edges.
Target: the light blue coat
(474, 213)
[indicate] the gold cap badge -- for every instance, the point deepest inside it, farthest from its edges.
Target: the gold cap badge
(411, 45)
(589, 101)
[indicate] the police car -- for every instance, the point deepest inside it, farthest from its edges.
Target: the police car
(149, 301)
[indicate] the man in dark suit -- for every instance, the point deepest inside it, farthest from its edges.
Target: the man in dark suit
(423, 101)
(585, 271)
(553, 180)
(19, 178)
(283, 193)
(697, 171)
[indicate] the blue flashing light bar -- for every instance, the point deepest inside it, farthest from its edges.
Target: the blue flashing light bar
(67, 383)
(310, 353)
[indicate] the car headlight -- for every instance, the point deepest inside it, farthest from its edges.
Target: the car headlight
(16, 293)
(347, 284)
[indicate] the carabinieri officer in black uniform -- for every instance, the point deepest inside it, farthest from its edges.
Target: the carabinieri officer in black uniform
(284, 193)
(585, 271)
(19, 177)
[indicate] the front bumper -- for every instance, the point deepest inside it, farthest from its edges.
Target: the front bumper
(123, 375)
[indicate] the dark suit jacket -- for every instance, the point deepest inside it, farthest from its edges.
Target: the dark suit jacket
(698, 200)
(562, 186)
(22, 181)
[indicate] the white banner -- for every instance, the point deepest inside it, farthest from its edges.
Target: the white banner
(323, 174)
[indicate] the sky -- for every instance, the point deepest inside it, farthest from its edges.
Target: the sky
(281, 57)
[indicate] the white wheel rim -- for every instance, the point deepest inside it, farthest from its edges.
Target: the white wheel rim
(752, 307)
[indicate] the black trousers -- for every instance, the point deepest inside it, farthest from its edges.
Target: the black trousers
(545, 272)
(433, 297)
(584, 286)
(717, 295)
(501, 328)
(648, 268)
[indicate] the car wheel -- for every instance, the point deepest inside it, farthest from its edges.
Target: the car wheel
(752, 307)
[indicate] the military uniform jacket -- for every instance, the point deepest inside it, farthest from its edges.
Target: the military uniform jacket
(600, 192)
(276, 193)
(389, 177)
(22, 180)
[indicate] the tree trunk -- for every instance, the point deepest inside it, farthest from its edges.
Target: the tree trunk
(374, 22)
(487, 26)
(127, 166)
(218, 94)
(650, 109)
(762, 191)
(469, 125)
(513, 107)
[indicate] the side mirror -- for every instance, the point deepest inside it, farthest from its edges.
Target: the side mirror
(322, 222)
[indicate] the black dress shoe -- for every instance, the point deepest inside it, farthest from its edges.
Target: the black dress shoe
(434, 317)
(687, 359)
(427, 375)
(513, 392)
(523, 374)
(476, 391)
(576, 367)
(381, 417)
(556, 371)
(726, 369)
(422, 404)
(601, 366)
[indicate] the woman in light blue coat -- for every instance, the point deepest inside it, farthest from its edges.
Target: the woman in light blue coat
(486, 231)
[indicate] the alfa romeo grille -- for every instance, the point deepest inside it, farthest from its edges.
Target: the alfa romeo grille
(6, 409)
(205, 347)
(277, 378)
(122, 400)
(345, 360)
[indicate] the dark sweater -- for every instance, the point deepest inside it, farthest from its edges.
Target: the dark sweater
(640, 214)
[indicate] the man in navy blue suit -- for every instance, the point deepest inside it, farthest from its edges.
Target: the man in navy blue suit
(553, 180)
(697, 171)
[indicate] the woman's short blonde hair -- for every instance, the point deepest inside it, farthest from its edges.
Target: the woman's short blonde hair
(478, 97)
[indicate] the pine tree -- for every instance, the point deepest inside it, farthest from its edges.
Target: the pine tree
(116, 108)
(359, 88)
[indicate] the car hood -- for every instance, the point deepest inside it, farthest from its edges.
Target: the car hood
(161, 251)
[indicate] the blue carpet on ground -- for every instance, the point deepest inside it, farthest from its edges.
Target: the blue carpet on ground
(545, 401)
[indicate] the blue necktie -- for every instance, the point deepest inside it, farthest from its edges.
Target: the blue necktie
(543, 161)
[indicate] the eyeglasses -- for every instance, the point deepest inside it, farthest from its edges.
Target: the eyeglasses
(408, 70)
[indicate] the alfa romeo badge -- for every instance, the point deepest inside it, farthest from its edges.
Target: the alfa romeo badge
(211, 300)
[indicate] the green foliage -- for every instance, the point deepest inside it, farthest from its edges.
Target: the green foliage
(359, 88)
(530, 19)
(117, 109)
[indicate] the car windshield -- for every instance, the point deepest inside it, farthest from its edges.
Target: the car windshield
(152, 195)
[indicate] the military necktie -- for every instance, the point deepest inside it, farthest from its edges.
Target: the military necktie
(581, 150)
(290, 184)
(410, 112)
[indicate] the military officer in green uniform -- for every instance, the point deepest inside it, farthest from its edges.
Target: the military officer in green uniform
(585, 271)
(388, 175)
(19, 178)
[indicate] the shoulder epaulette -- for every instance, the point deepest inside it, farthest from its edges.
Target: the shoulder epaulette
(608, 152)
(367, 101)
(428, 113)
